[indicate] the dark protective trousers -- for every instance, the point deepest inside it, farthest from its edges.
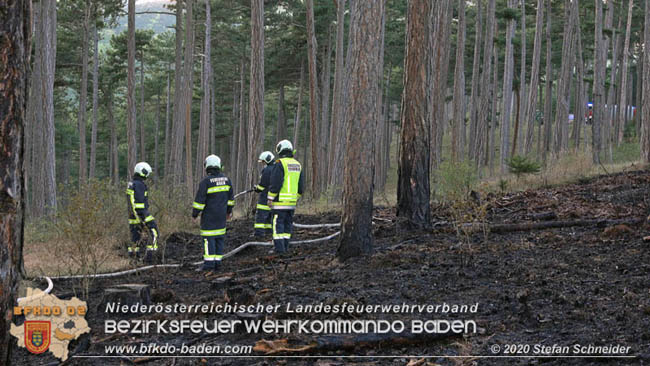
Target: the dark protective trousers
(137, 240)
(263, 225)
(213, 247)
(282, 228)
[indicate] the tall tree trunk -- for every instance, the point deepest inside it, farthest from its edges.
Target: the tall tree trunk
(256, 96)
(178, 131)
(486, 74)
(579, 119)
(131, 123)
(203, 143)
(15, 31)
(475, 97)
(490, 146)
(143, 150)
(645, 101)
(242, 158)
(439, 46)
(529, 115)
(235, 132)
(281, 129)
(610, 108)
(188, 71)
(83, 95)
(167, 127)
(564, 81)
(548, 130)
(458, 140)
(296, 122)
(93, 133)
(599, 83)
(622, 105)
(324, 112)
(337, 98)
(115, 155)
(521, 95)
(413, 186)
(156, 135)
(381, 121)
(34, 123)
(356, 221)
(508, 73)
(313, 98)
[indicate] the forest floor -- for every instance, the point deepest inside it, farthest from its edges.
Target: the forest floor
(586, 285)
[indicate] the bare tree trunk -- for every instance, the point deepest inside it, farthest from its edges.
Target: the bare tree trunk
(156, 135)
(356, 221)
(296, 122)
(115, 161)
(486, 74)
(490, 146)
(33, 114)
(281, 129)
(337, 97)
(188, 68)
(610, 108)
(579, 119)
(324, 114)
(235, 133)
(458, 141)
(381, 121)
(313, 98)
(15, 30)
(83, 95)
(242, 154)
(475, 97)
(131, 123)
(639, 89)
(439, 45)
(167, 127)
(622, 105)
(564, 81)
(645, 102)
(529, 115)
(256, 96)
(178, 131)
(143, 150)
(521, 108)
(413, 187)
(599, 83)
(93, 133)
(548, 130)
(203, 143)
(508, 72)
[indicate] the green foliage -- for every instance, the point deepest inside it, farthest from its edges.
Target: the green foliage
(521, 165)
(456, 180)
(509, 14)
(503, 185)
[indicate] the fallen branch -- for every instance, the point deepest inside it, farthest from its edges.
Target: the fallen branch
(507, 228)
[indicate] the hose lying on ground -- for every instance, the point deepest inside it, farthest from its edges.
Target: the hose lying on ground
(50, 286)
(174, 265)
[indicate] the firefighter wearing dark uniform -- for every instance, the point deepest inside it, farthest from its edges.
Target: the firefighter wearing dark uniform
(139, 216)
(263, 215)
(287, 181)
(214, 202)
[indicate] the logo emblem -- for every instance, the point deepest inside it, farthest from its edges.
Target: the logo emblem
(37, 335)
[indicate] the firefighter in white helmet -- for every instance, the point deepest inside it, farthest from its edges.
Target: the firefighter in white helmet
(139, 217)
(214, 202)
(263, 212)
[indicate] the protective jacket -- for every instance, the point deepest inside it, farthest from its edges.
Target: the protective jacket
(138, 201)
(287, 183)
(263, 187)
(214, 201)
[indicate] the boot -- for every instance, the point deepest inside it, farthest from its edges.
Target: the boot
(148, 257)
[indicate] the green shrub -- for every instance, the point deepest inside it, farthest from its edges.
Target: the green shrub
(521, 165)
(454, 181)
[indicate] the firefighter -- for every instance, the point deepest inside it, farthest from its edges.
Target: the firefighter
(139, 217)
(263, 215)
(287, 181)
(214, 202)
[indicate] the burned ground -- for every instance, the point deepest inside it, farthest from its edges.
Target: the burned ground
(585, 285)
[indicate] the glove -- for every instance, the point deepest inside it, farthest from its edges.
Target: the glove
(256, 189)
(152, 224)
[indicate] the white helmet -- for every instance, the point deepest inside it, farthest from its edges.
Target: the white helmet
(143, 169)
(212, 161)
(266, 157)
(283, 145)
